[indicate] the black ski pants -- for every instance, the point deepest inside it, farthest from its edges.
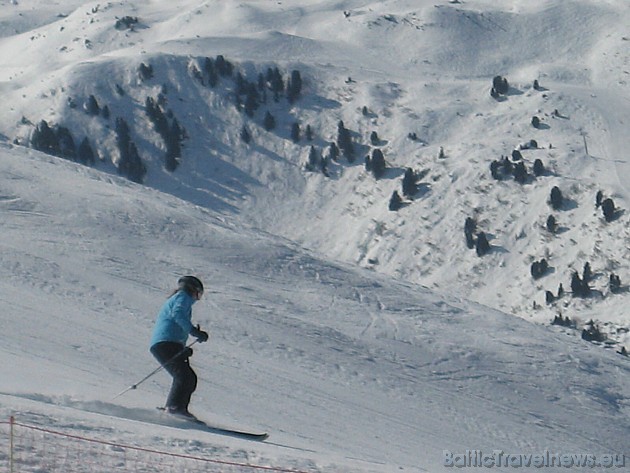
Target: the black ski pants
(184, 378)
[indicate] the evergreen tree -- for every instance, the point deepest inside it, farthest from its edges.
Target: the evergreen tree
(579, 287)
(374, 139)
(269, 122)
(333, 151)
(608, 209)
(409, 183)
(344, 141)
(556, 198)
(309, 133)
(313, 161)
(539, 268)
(211, 72)
(295, 132)
(67, 148)
(91, 106)
(133, 167)
(223, 67)
(614, 283)
(592, 333)
(145, 72)
(549, 298)
(520, 173)
(587, 273)
(378, 163)
(500, 85)
(483, 246)
(552, 225)
(158, 118)
(536, 122)
(276, 82)
(45, 139)
(470, 227)
(539, 167)
(395, 202)
(562, 321)
(252, 100)
(294, 86)
(123, 137)
(126, 22)
(173, 147)
(598, 199)
(495, 170)
(85, 153)
(576, 283)
(241, 84)
(130, 163)
(177, 131)
(245, 135)
(323, 164)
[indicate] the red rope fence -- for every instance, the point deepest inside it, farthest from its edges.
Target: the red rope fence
(27, 448)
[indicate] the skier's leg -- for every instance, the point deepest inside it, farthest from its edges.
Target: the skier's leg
(187, 385)
(184, 378)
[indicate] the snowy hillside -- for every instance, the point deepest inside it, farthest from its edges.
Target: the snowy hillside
(363, 339)
(348, 370)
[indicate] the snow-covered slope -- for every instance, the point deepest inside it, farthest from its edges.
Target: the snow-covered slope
(374, 368)
(353, 371)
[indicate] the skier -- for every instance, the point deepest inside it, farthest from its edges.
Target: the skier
(168, 343)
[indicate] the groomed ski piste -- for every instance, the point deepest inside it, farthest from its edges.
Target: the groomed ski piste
(361, 340)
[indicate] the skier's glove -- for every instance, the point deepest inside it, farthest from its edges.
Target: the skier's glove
(188, 352)
(199, 334)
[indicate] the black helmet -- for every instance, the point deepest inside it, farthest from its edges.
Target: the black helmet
(190, 284)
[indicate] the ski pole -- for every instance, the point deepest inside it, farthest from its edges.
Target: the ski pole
(159, 368)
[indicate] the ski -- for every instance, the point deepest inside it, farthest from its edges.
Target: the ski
(260, 436)
(204, 426)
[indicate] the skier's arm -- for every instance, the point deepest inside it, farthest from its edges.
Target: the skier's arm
(199, 334)
(182, 314)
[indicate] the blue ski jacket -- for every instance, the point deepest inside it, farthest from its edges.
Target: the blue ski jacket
(173, 322)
